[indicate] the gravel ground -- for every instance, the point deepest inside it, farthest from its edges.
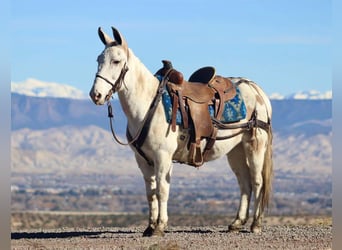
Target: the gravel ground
(273, 237)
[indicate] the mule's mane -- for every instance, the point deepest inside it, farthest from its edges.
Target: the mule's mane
(143, 74)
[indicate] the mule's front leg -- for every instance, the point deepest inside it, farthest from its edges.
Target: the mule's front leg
(150, 184)
(163, 172)
(151, 195)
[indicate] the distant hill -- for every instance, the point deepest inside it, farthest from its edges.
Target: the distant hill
(49, 112)
(308, 117)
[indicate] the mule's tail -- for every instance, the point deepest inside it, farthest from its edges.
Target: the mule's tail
(267, 172)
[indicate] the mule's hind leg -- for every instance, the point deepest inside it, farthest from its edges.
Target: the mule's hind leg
(151, 195)
(255, 149)
(238, 163)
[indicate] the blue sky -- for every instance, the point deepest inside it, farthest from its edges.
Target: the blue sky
(284, 45)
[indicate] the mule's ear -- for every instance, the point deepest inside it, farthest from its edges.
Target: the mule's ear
(118, 38)
(104, 37)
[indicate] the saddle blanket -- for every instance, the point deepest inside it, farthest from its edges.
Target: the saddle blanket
(234, 109)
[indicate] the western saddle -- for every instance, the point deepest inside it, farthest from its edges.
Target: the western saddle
(192, 98)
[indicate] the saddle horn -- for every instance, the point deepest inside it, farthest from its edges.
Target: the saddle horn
(174, 75)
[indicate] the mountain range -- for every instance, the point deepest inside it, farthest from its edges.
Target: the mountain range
(37, 88)
(290, 116)
(62, 135)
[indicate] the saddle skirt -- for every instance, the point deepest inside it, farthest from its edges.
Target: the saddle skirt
(234, 109)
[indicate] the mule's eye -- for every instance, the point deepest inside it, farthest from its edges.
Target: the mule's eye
(114, 61)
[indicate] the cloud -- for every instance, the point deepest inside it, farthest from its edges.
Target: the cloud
(34, 87)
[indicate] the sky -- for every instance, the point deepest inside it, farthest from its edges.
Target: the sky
(283, 45)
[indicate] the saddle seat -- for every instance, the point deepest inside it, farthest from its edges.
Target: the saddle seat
(192, 99)
(203, 75)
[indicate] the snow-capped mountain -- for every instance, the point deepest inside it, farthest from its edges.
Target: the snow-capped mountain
(37, 88)
(304, 95)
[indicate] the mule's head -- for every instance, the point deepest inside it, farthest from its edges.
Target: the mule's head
(112, 67)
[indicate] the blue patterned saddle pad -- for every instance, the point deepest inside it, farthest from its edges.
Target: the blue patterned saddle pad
(234, 109)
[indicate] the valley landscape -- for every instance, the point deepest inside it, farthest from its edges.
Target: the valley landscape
(65, 164)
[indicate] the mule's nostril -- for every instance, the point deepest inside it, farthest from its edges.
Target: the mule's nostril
(98, 96)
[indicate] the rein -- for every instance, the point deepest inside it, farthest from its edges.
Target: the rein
(141, 135)
(115, 87)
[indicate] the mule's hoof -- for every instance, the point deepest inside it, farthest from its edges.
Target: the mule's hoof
(256, 229)
(234, 228)
(158, 233)
(148, 232)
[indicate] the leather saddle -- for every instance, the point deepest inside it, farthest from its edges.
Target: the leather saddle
(192, 98)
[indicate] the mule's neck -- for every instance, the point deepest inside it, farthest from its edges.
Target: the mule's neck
(138, 91)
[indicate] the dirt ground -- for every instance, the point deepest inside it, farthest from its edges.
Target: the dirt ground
(273, 237)
(65, 230)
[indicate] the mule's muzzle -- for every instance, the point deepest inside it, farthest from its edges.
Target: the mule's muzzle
(96, 97)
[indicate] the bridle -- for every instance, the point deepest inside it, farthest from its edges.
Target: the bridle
(118, 83)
